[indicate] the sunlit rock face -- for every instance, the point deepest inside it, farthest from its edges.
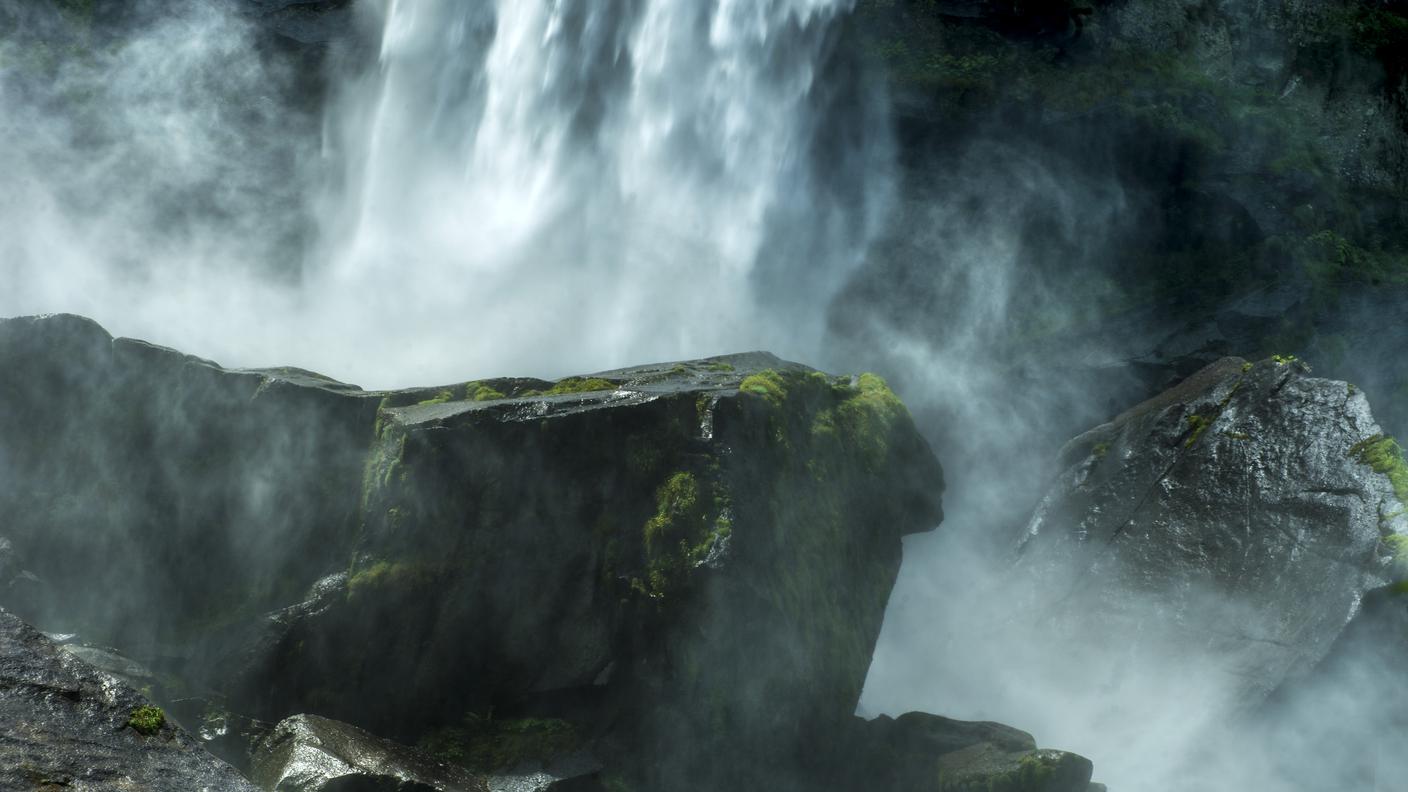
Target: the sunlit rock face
(69, 726)
(1235, 522)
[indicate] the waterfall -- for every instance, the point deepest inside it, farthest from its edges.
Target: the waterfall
(585, 183)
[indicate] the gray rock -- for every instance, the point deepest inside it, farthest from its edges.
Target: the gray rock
(306, 753)
(66, 725)
(641, 552)
(1235, 513)
(919, 751)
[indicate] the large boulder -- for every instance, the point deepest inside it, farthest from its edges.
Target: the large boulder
(684, 561)
(68, 725)
(160, 497)
(1243, 514)
(708, 546)
(919, 752)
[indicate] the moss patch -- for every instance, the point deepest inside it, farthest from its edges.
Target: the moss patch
(1384, 455)
(767, 384)
(865, 417)
(690, 519)
(574, 385)
(439, 398)
(391, 575)
(147, 720)
(479, 391)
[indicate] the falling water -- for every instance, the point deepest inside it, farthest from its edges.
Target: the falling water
(577, 184)
(498, 188)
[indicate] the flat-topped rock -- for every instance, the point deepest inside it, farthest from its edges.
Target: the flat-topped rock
(646, 553)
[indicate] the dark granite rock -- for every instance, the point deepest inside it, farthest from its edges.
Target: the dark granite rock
(695, 554)
(306, 753)
(918, 751)
(670, 541)
(1241, 504)
(64, 724)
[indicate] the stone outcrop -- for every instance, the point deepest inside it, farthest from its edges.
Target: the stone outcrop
(684, 542)
(667, 564)
(66, 725)
(1247, 511)
(918, 751)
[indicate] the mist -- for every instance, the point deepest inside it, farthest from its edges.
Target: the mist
(467, 190)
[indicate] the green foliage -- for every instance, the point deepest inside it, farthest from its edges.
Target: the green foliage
(719, 366)
(486, 745)
(1331, 260)
(1099, 450)
(147, 720)
(1385, 456)
(767, 384)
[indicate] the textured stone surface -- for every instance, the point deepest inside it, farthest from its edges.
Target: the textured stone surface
(694, 554)
(918, 751)
(306, 753)
(65, 725)
(709, 545)
(1238, 504)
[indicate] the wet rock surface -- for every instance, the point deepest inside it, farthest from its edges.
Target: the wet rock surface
(501, 571)
(919, 751)
(306, 753)
(64, 724)
(1246, 512)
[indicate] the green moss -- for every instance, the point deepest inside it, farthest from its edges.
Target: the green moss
(479, 391)
(1198, 424)
(439, 398)
(865, 418)
(1384, 455)
(573, 385)
(1099, 450)
(719, 366)
(767, 384)
(381, 575)
(1397, 546)
(484, 744)
(690, 519)
(147, 720)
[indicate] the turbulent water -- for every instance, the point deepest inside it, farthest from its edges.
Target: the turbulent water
(524, 188)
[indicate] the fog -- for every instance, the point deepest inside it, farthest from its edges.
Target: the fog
(547, 189)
